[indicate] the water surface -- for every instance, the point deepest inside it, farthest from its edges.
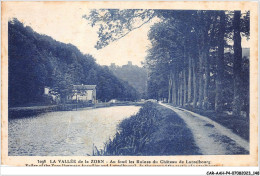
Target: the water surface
(65, 133)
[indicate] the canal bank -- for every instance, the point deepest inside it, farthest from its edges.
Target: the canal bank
(24, 112)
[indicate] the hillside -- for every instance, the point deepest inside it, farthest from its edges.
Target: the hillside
(36, 61)
(134, 75)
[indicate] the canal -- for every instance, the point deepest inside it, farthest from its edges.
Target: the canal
(65, 133)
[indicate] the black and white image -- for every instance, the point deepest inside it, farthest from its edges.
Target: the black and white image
(127, 82)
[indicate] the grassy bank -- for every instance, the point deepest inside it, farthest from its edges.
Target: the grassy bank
(23, 112)
(154, 130)
(238, 124)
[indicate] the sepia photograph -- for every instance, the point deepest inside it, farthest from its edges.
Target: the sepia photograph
(89, 81)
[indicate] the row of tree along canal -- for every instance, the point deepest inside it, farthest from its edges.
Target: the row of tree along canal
(195, 58)
(193, 62)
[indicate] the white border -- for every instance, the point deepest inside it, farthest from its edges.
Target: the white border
(7, 170)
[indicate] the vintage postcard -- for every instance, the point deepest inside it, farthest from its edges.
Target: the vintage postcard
(129, 83)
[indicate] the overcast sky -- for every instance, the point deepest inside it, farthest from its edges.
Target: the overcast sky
(64, 22)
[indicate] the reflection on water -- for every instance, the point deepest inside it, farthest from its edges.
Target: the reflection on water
(65, 133)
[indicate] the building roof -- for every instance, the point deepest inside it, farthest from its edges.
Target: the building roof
(84, 87)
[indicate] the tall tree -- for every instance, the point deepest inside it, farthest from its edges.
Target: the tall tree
(220, 63)
(237, 63)
(191, 52)
(189, 79)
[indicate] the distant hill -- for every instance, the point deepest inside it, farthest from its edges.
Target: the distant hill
(134, 75)
(36, 61)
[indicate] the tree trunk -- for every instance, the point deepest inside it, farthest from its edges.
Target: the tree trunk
(189, 80)
(170, 88)
(181, 91)
(183, 74)
(207, 79)
(176, 88)
(220, 65)
(174, 97)
(195, 91)
(237, 64)
(184, 87)
(200, 79)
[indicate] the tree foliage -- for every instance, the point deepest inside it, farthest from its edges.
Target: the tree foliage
(134, 75)
(37, 61)
(115, 23)
(191, 60)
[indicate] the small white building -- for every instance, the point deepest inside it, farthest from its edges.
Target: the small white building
(84, 93)
(54, 96)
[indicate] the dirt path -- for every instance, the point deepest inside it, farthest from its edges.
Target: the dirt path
(211, 137)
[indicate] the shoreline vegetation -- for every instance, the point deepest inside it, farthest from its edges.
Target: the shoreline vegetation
(154, 130)
(26, 112)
